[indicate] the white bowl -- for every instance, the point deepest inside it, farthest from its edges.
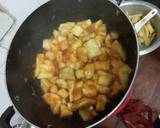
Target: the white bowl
(136, 7)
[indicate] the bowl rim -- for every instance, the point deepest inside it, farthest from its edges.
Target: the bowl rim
(149, 6)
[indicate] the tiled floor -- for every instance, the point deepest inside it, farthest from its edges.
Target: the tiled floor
(5, 100)
(20, 9)
(42, 1)
(3, 55)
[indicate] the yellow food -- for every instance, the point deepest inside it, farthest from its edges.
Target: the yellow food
(89, 91)
(147, 33)
(101, 102)
(105, 80)
(65, 112)
(87, 113)
(81, 68)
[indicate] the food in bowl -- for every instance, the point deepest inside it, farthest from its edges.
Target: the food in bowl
(147, 33)
(81, 69)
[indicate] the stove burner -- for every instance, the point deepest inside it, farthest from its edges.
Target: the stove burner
(22, 125)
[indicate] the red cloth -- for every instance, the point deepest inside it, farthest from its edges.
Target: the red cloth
(137, 115)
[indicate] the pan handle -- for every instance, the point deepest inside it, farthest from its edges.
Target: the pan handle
(6, 117)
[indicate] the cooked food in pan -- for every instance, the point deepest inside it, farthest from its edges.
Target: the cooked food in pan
(81, 69)
(147, 34)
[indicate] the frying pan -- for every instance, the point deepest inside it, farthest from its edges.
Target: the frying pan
(24, 89)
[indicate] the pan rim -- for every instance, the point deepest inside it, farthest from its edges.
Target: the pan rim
(111, 112)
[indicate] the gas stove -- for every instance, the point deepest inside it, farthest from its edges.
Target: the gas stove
(12, 18)
(28, 6)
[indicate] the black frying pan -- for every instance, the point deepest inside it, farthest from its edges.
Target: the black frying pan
(24, 89)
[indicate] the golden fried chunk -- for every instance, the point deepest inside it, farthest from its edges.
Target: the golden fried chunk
(102, 65)
(124, 72)
(89, 91)
(80, 84)
(54, 101)
(53, 89)
(56, 34)
(80, 74)
(77, 30)
(71, 106)
(100, 28)
(61, 83)
(114, 35)
(75, 92)
(85, 102)
(78, 65)
(95, 78)
(99, 39)
(118, 48)
(45, 70)
(89, 71)
(77, 43)
(46, 97)
(85, 24)
(65, 112)
(97, 24)
(45, 85)
(108, 41)
(39, 60)
(100, 72)
(53, 79)
(61, 38)
(50, 55)
(82, 54)
(86, 36)
(101, 102)
(89, 82)
(116, 88)
(63, 45)
(62, 65)
(67, 73)
(63, 93)
(64, 101)
(117, 64)
(47, 44)
(87, 113)
(112, 53)
(102, 89)
(59, 56)
(45, 75)
(93, 48)
(104, 55)
(71, 86)
(105, 79)
(66, 28)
